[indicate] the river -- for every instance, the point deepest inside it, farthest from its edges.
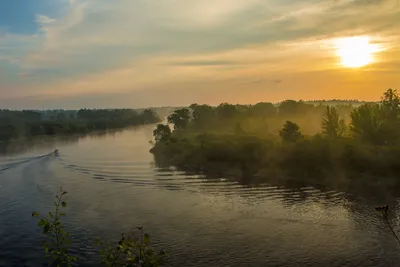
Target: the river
(113, 186)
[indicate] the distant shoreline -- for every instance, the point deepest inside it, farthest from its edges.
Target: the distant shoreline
(27, 124)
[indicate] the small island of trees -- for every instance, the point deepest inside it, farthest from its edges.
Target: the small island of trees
(337, 146)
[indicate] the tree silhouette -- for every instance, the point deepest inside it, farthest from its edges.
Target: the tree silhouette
(391, 104)
(179, 118)
(366, 122)
(161, 133)
(332, 125)
(290, 132)
(201, 115)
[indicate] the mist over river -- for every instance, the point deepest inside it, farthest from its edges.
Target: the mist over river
(114, 186)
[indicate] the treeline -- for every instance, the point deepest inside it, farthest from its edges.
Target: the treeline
(28, 123)
(320, 145)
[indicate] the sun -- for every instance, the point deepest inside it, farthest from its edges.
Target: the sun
(355, 52)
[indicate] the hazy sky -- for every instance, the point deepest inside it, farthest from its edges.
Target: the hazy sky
(137, 53)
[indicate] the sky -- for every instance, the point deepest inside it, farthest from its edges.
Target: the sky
(139, 53)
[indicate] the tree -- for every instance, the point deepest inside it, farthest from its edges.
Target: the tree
(332, 125)
(162, 132)
(263, 109)
(149, 116)
(226, 111)
(378, 123)
(201, 115)
(366, 122)
(179, 118)
(290, 132)
(391, 104)
(292, 107)
(390, 108)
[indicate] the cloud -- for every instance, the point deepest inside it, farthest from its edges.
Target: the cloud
(203, 63)
(129, 46)
(42, 19)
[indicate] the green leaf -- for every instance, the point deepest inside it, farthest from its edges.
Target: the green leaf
(41, 222)
(146, 239)
(51, 216)
(46, 227)
(63, 204)
(35, 214)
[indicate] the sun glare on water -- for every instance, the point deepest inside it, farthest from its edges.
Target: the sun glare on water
(355, 52)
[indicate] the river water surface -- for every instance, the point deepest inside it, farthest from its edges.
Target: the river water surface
(113, 186)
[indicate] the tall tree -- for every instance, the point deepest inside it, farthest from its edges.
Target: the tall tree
(161, 133)
(366, 122)
(332, 125)
(179, 118)
(292, 107)
(262, 109)
(149, 116)
(202, 115)
(391, 104)
(226, 111)
(290, 132)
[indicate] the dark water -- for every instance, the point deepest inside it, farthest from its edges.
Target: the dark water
(114, 186)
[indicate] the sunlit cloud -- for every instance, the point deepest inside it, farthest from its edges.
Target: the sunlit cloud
(93, 48)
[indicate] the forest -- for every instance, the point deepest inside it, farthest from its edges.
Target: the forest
(341, 146)
(29, 123)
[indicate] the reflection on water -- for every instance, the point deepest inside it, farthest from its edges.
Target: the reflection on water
(114, 186)
(18, 146)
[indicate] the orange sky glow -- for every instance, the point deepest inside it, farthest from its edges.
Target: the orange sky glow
(175, 52)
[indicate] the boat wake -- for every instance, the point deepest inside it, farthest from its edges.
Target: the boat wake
(10, 163)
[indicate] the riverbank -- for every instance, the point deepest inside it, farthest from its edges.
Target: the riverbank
(335, 164)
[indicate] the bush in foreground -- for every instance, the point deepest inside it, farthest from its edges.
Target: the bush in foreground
(133, 249)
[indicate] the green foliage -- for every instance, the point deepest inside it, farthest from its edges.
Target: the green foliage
(390, 104)
(290, 132)
(149, 116)
(226, 111)
(366, 123)
(263, 109)
(131, 250)
(241, 141)
(378, 124)
(162, 132)
(179, 118)
(291, 107)
(332, 125)
(15, 124)
(56, 240)
(202, 115)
